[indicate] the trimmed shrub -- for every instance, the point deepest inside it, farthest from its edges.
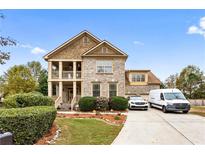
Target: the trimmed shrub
(101, 104)
(117, 117)
(87, 103)
(27, 124)
(118, 103)
(27, 99)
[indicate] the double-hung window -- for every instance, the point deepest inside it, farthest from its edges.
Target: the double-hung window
(104, 66)
(96, 89)
(138, 78)
(112, 89)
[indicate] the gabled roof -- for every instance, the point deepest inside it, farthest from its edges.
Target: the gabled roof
(152, 79)
(137, 70)
(71, 40)
(107, 43)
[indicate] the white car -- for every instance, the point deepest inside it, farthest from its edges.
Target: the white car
(137, 102)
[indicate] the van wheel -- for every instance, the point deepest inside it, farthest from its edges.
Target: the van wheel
(164, 109)
(150, 105)
(185, 111)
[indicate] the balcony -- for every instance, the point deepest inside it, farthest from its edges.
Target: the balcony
(55, 74)
(78, 74)
(66, 69)
(67, 75)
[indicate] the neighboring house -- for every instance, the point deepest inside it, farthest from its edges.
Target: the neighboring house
(140, 82)
(87, 66)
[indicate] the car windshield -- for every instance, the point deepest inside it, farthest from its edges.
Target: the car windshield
(176, 95)
(136, 98)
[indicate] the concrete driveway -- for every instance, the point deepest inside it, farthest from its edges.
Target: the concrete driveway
(155, 127)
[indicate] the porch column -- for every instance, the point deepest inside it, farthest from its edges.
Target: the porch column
(74, 70)
(49, 69)
(60, 69)
(50, 88)
(82, 89)
(74, 89)
(74, 95)
(61, 89)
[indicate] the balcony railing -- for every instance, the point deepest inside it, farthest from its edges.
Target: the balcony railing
(67, 74)
(78, 74)
(55, 74)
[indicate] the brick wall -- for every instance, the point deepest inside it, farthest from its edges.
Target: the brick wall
(90, 75)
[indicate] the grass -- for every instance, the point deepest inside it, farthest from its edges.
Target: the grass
(199, 110)
(86, 132)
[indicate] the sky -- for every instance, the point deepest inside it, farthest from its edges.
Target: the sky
(164, 41)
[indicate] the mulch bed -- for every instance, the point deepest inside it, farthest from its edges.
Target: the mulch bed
(116, 119)
(48, 136)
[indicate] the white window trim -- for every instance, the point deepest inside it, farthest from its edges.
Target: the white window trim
(92, 88)
(104, 65)
(109, 88)
(140, 78)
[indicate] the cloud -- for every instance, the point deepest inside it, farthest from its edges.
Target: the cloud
(138, 43)
(37, 50)
(202, 23)
(34, 50)
(200, 29)
(25, 46)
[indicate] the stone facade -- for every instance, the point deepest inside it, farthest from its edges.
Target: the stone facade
(139, 90)
(75, 49)
(90, 76)
(98, 51)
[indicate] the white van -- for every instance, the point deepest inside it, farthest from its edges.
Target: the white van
(168, 100)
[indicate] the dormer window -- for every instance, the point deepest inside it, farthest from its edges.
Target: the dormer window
(85, 40)
(104, 50)
(138, 78)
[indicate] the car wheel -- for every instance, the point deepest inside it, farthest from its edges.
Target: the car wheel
(185, 111)
(129, 107)
(164, 109)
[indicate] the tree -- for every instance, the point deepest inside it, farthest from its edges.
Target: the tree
(170, 82)
(1, 84)
(35, 69)
(200, 92)
(43, 82)
(18, 79)
(189, 80)
(5, 41)
(40, 75)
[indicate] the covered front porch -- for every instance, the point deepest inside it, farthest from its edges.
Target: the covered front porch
(65, 93)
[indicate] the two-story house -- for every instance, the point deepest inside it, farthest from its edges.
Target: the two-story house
(87, 66)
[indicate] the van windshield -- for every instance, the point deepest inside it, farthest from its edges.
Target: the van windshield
(171, 96)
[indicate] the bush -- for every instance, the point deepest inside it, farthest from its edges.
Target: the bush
(27, 124)
(27, 99)
(87, 103)
(101, 104)
(118, 103)
(117, 118)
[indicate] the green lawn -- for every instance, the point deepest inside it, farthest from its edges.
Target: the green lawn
(199, 110)
(85, 132)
